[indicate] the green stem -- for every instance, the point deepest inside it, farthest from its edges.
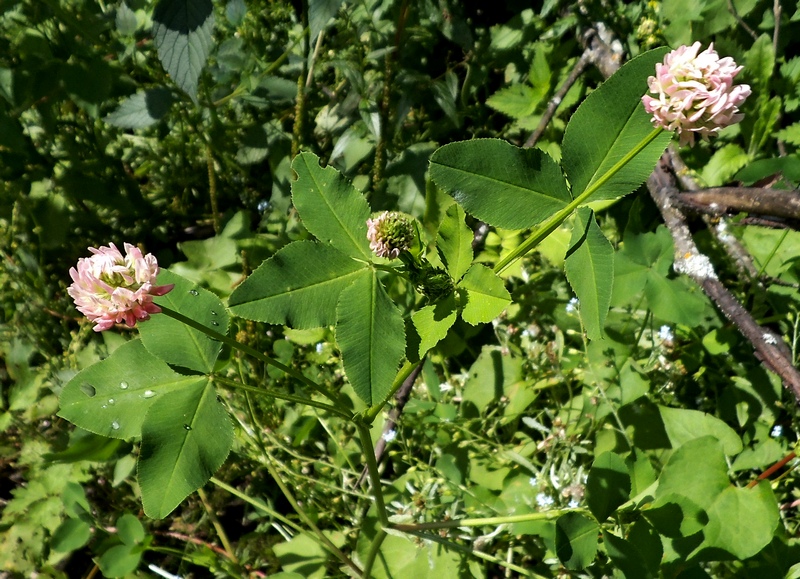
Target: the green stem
(475, 553)
(374, 475)
(249, 351)
(405, 372)
(772, 253)
(555, 220)
(259, 505)
(545, 516)
(307, 520)
(288, 397)
(374, 549)
(223, 536)
(241, 89)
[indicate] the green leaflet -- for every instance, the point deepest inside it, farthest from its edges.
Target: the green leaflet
(499, 183)
(454, 242)
(370, 334)
(330, 207)
(486, 295)
(111, 397)
(432, 323)
(590, 271)
(576, 540)
(177, 343)
(182, 35)
(186, 436)
(607, 125)
(298, 286)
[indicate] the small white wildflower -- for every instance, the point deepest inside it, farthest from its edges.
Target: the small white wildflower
(534, 481)
(769, 339)
(573, 504)
(695, 265)
(573, 305)
(544, 500)
(777, 431)
(445, 387)
(320, 347)
(665, 335)
(390, 435)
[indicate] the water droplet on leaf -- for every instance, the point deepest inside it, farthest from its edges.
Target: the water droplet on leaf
(187, 427)
(213, 323)
(115, 425)
(148, 394)
(123, 385)
(194, 292)
(111, 402)
(88, 389)
(213, 313)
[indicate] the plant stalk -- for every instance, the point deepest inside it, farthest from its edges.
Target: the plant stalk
(280, 396)
(555, 220)
(249, 351)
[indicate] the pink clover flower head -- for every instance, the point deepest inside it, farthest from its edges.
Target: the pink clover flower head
(389, 234)
(694, 93)
(110, 288)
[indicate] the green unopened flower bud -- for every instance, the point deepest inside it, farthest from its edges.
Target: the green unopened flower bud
(390, 234)
(436, 284)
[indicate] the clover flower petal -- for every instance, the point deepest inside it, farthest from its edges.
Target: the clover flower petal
(694, 93)
(110, 288)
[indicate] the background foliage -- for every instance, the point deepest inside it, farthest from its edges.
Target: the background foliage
(107, 135)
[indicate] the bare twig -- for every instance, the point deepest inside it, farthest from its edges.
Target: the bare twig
(760, 201)
(769, 348)
(742, 23)
(776, 11)
(552, 106)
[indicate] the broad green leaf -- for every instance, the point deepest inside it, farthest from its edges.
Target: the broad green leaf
(499, 183)
(674, 300)
(487, 295)
(330, 207)
(608, 485)
(609, 123)
(455, 242)
(790, 134)
(490, 376)
(125, 20)
(182, 36)
(590, 271)
(111, 397)
(120, 560)
(298, 286)
(760, 63)
(675, 515)
(742, 521)
(701, 461)
(683, 425)
(576, 540)
(371, 335)
(625, 557)
(130, 529)
(70, 535)
(141, 110)
(432, 323)
(186, 436)
(175, 342)
(516, 101)
(724, 164)
(320, 13)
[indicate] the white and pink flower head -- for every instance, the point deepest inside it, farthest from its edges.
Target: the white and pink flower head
(389, 234)
(695, 93)
(109, 288)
